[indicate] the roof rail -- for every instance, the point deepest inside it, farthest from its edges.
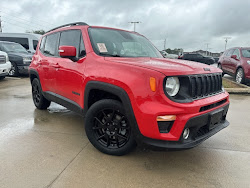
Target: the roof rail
(70, 24)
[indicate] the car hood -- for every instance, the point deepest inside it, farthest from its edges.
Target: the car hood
(21, 54)
(167, 66)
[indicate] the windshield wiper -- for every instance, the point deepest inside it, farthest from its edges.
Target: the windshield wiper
(111, 55)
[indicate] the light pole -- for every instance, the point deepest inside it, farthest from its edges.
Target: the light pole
(134, 24)
(226, 40)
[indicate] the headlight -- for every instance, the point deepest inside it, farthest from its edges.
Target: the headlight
(172, 86)
(248, 62)
(26, 60)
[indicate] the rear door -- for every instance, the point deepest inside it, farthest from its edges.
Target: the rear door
(70, 75)
(234, 62)
(226, 60)
(47, 60)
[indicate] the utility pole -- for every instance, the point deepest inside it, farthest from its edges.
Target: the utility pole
(1, 25)
(165, 40)
(210, 51)
(226, 40)
(134, 24)
(207, 48)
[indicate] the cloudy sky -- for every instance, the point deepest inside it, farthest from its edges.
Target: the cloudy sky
(187, 24)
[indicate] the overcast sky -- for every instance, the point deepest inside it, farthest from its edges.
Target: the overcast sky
(187, 24)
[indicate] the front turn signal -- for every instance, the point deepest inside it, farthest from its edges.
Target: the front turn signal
(152, 82)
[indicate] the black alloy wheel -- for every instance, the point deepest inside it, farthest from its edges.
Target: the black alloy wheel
(108, 128)
(39, 100)
(13, 70)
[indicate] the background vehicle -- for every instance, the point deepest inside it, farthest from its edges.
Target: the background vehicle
(167, 55)
(127, 92)
(20, 59)
(216, 59)
(27, 40)
(5, 65)
(198, 58)
(236, 62)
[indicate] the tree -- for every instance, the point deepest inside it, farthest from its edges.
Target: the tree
(41, 32)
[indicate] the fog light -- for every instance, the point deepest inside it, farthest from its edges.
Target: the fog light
(186, 133)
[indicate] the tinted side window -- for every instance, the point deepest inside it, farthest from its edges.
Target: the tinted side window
(71, 38)
(50, 47)
(42, 44)
(237, 53)
(230, 52)
(35, 42)
(23, 41)
(82, 51)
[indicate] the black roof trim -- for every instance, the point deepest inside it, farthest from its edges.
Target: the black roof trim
(70, 24)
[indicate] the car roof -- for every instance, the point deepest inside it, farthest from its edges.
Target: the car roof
(8, 42)
(85, 26)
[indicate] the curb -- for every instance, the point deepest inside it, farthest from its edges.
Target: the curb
(244, 90)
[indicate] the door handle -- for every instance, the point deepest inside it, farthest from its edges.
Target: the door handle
(55, 65)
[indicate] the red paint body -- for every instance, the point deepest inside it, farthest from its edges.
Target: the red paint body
(131, 74)
(230, 63)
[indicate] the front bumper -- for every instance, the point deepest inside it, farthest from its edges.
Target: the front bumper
(23, 69)
(5, 68)
(199, 131)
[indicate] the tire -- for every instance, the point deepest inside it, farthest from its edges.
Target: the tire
(240, 76)
(39, 100)
(13, 70)
(220, 67)
(2, 77)
(108, 129)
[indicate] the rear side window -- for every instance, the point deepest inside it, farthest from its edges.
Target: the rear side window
(42, 44)
(72, 38)
(51, 42)
(23, 41)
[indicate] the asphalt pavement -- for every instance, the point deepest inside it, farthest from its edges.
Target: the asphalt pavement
(50, 149)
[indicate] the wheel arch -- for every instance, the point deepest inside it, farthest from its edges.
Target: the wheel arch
(33, 74)
(117, 92)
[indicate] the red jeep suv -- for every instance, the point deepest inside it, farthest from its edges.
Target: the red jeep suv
(128, 93)
(236, 62)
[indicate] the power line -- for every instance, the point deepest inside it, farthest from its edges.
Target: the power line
(16, 25)
(33, 17)
(15, 17)
(22, 23)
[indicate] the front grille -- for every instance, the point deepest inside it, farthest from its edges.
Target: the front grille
(204, 85)
(2, 59)
(208, 107)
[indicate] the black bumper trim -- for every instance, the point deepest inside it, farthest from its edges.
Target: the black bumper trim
(197, 122)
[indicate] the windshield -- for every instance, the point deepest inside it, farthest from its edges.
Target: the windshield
(111, 42)
(246, 53)
(13, 47)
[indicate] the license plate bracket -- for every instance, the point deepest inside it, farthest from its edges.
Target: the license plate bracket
(215, 118)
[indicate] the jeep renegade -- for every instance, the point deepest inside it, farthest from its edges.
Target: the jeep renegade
(128, 93)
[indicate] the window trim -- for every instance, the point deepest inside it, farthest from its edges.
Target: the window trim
(56, 48)
(81, 37)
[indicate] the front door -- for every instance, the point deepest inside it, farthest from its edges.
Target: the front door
(70, 74)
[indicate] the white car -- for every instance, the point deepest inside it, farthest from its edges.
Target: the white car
(170, 56)
(5, 65)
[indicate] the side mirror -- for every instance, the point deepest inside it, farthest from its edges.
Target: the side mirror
(67, 51)
(234, 57)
